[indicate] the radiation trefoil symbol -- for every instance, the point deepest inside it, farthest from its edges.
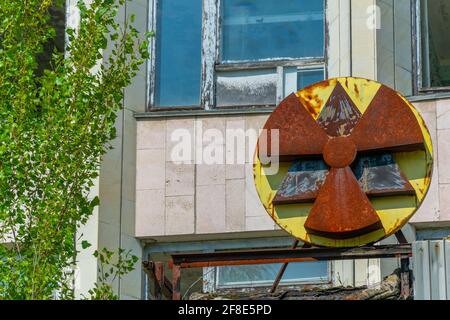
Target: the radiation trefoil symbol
(357, 163)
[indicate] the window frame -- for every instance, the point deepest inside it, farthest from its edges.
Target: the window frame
(418, 87)
(151, 62)
(268, 283)
(210, 61)
(264, 63)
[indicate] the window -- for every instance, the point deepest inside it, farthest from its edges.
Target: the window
(270, 48)
(308, 76)
(233, 53)
(296, 78)
(264, 275)
(178, 53)
(435, 46)
(241, 88)
(259, 30)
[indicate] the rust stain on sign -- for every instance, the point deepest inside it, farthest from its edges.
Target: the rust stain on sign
(388, 124)
(311, 97)
(341, 209)
(312, 103)
(294, 139)
(340, 114)
(356, 90)
(342, 156)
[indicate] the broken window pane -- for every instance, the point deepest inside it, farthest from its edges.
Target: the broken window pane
(178, 53)
(298, 272)
(244, 88)
(263, 30)
(435, 43)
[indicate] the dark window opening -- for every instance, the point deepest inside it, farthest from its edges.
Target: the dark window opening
(57, 21)
(435, 25)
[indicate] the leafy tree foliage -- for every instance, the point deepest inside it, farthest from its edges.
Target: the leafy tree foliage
(55, 125)
(108, 271)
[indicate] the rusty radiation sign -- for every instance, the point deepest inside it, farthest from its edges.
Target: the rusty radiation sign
(355, 163)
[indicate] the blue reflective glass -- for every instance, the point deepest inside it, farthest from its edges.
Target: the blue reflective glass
(178, 53)
(263, 274)
(268, 29)
(307, 270)
(309, 76)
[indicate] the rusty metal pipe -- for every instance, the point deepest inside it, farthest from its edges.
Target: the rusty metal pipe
(283, 269)
(229, 258)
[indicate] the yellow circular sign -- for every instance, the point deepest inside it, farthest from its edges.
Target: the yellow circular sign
(355, 163)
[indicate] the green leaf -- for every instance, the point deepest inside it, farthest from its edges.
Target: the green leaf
(95, 202)
(85, 244)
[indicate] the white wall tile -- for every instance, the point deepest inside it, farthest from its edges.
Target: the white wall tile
(443, 114)
(150, 170)
(150, 216)
(444, 155)
(151, 134)
(180, 216)
(235, 205)
(180, 179)
(210, 209)
(444, 199)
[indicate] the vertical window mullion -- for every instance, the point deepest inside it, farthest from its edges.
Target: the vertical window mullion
(151, 63)
(290, 80)
(426, 46)
(416, 46)
(209, 52)
(218, 29)
(280, 84)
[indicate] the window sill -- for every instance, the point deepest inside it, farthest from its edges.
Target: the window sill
(426, 96)
(203, 113)
(197, 112)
